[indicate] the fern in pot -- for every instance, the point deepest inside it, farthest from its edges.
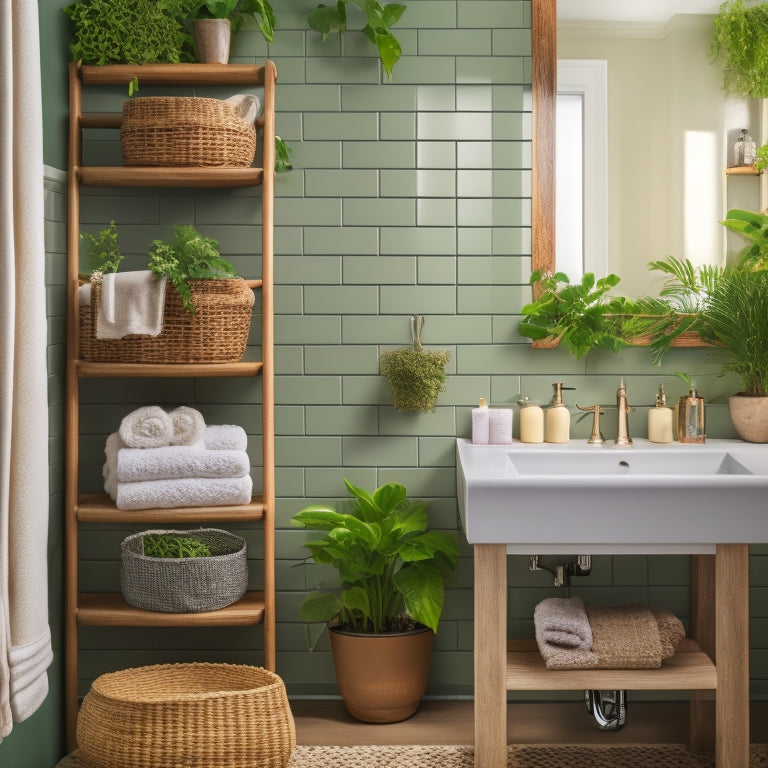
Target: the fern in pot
(382, 618)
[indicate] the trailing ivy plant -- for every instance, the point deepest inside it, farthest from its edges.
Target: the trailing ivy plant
(379, 18)
(135, 32)
(188, 256)
(740, 42)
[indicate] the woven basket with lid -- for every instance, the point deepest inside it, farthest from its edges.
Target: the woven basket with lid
(195, 715)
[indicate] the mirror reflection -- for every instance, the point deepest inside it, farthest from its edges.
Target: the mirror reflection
(644, 134)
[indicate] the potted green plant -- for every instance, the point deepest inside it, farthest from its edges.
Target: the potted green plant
(215, 20)
(740, 42)
(188, 256)
(392, 572)
(138, 32)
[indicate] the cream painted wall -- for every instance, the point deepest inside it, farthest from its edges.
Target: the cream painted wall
(669, 128)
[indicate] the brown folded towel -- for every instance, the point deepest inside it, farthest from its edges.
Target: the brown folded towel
(623, 637)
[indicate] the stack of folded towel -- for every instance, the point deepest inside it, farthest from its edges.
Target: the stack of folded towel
(571, 635)
(163, 460)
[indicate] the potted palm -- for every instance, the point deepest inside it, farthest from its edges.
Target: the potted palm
(383, 617)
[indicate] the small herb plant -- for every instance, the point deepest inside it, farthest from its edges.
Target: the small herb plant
(102, 251)
(135, 32)
(188, 256)
(172, 545)
(238, 12)
(740, 42)
(390, 566)
(379, 18)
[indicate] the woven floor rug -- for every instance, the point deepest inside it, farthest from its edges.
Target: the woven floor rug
(533, 756)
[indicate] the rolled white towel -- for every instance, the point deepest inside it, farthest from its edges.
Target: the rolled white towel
(147, 427)
(171, 462)
(187, 492)
(225, 437)
(188, 425)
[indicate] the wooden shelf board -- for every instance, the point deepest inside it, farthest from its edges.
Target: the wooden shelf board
(99, 508)
(88, 369)
(97, 609)
(202, 178)
(173, 74)
(689, 669)
(742, 170)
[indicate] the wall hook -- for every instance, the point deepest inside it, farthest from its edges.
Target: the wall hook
(417, 323)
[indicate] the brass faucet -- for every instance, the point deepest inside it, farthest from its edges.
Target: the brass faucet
(623, 408)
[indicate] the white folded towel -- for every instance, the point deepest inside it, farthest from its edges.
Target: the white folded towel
(220, 437)
(147, 427)
(172, 462)
(500, 426)
(188, 425)
(248, 106)
(186, 492)
(131, 302)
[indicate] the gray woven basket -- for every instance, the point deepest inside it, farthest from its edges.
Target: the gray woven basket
(186, 584)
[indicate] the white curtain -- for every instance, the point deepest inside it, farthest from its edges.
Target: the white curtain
(25, 638)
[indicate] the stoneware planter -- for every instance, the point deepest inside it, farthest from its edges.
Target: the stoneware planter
(382, 677)
(212, 38)
(749, 415)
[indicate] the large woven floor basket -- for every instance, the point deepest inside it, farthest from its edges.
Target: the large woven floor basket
(185, 131)
(216, 333)
(194, 715)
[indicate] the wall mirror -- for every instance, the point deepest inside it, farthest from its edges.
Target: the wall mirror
(667, 136)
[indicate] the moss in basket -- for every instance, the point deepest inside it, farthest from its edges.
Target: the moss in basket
(415, 377)
(188, 256)
(171, 545)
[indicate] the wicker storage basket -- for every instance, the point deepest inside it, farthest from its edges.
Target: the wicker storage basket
(216, 333)
(185, 131)
(184, 584)
(192, 715)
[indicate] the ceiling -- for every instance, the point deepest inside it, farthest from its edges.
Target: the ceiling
(647, 11)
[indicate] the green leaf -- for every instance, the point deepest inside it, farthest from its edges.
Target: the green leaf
(389, 50)
(421, 585)
(320, 606)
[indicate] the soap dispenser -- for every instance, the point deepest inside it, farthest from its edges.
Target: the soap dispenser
(481, 427)
(660, 426)
(557, 417)
(531, 421)
(691, 424)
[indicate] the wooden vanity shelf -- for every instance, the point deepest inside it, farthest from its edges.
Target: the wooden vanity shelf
(689, 669)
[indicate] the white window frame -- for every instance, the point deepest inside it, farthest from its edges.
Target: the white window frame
(589, 79)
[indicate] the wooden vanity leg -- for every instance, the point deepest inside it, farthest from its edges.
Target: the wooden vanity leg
(702, 630)
(490, 655)
(732, 640)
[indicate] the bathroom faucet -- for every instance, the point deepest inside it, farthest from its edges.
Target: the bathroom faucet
(623, 408)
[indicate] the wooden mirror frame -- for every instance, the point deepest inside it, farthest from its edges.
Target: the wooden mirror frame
(543, 94)
(543, 99)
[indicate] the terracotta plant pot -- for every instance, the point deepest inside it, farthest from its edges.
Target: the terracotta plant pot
(212, 38)
(749, 415)
(382, 677)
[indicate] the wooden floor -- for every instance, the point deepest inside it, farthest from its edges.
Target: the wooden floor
(451, 722)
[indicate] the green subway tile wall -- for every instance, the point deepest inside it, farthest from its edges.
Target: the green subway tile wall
(407, 196)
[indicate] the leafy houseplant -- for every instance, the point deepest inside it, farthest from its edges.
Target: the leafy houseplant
(391, 567)
(103, 249)
(383, 617)
(379, 18)
(136, 32)
(740, 41)
(238, 12)
(188, 256)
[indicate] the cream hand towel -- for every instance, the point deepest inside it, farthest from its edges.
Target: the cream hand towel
(147, 427)
(167, 494)
(131, 303)
(188, 425)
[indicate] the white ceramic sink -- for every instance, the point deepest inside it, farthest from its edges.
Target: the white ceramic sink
(588, 499)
